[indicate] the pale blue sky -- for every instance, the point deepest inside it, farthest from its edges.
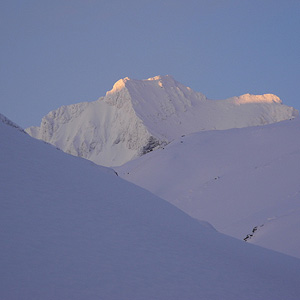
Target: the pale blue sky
(60, 52)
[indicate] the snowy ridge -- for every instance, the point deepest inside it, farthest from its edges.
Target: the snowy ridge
(236, 179)
(8, 122)
(137, 116)
(70, 230)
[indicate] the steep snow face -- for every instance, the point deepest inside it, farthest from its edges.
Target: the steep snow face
(73, 230)
(106, 131)
(137, 116)
(236, 179)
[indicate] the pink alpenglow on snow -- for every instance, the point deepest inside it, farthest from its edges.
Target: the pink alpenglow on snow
(137, 116)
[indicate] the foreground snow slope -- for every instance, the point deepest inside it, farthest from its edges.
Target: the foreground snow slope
(74, 230)
(139, 115)
(236, 179)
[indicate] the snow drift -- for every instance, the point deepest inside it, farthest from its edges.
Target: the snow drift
(137, 116)
(73, 230)
(239, 180)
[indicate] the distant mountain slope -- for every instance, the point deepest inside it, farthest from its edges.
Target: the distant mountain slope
(73, 230)
(8, 122)
(239, 180)
(138, 115)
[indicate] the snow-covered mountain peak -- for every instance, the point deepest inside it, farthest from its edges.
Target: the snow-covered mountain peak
(120, 84)
(163, 80)
(136, 116)
(265, 98)
(160, 77)
(166, 82)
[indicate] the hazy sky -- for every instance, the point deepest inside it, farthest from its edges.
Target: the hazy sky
(60, 52)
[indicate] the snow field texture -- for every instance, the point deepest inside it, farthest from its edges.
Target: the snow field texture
(73, 230)
(236, 179)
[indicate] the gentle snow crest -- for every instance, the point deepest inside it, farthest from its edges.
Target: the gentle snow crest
(72, 230)
(236, 179)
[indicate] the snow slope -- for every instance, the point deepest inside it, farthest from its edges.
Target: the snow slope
(137, 116)
(236, 179)
(73, 230)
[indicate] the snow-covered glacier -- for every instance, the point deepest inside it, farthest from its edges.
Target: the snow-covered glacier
(137, 116)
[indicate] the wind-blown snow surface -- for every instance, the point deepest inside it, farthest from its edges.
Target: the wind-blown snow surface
(236, 179)
(74, 230)
(139, 115)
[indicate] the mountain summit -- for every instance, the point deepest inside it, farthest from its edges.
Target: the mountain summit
(137, 116)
